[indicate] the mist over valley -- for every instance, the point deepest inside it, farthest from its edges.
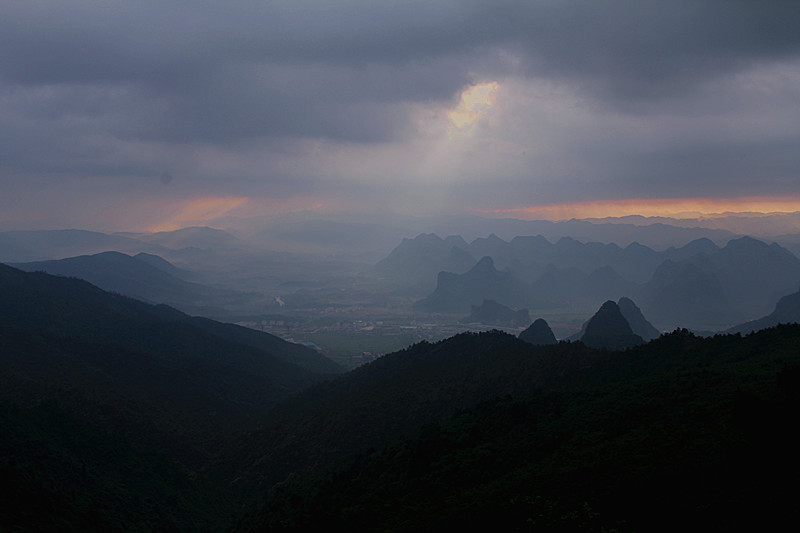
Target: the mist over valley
(300, 265)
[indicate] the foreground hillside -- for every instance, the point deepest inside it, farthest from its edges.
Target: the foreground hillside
(681, 430)
(118, 415)
(112, 409)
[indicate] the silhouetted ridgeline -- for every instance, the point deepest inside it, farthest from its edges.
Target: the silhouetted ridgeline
(538, 334)
(681, 430)
(699, 285)
(146, 277)
(118, 415)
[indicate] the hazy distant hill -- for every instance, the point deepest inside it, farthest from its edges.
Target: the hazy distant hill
(23, 246)
(201, 237)
(685, 295)
(162, 264)
(696, 247)
(699, 285)
(416, 262)
(755, 274)
(138, 278)
(567, 270)
(787, 311)
(528, 257)
(457, 293)
(493, 313)
(604, 284)
(718, 287)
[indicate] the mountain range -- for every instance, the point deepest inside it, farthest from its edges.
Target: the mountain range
(146, 277)
(787, 311)
(699, 285)
(149, 371)
(456, 293)
(116, 415)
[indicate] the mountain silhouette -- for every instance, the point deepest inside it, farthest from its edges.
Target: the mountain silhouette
(755, 275)
(685, 295)
(609, 329)
(538, 334)
(787, 311)
(457, 293)
(702, 245)
(162, 377)
(146, 277)
(636, 319)
(416, 262)
(37, 245)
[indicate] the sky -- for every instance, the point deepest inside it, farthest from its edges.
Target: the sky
(150, 114)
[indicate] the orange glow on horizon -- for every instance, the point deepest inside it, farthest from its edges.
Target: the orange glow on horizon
(653, 207)
(198, 211)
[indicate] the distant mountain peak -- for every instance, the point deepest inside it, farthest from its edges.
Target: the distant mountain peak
(485, 264)
(609, 329)
(539, 333)
(428, 238)
(636, 319)
(494, 313)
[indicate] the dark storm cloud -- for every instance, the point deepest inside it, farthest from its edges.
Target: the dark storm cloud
(223, 70)
(645, 49)
(191, 87)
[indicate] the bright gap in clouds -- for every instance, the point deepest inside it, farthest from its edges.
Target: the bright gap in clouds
(475, 102)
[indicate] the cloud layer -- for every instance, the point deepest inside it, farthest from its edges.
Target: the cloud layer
(355, 104)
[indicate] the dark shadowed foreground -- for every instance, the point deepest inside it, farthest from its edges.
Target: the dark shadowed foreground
(121, 416)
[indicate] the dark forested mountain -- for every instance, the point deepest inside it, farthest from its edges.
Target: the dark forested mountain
(609, 329)
(538, 333)
(391, 397)
(118, 415)
(493, 313)
(651, 438)
(151, 372)
(631, 314)
(144, 279)
(58, 473)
